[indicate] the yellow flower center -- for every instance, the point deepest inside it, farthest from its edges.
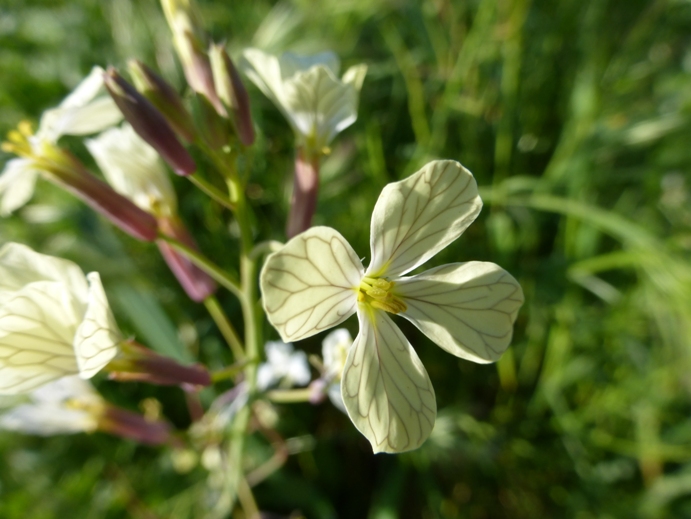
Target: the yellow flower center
(18, 141)
(378, 293)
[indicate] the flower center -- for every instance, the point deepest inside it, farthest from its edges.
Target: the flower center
(18, 141)
(378, 293)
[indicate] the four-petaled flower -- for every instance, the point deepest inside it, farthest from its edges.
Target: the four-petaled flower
(307, 90)
(83, 112)
(316, 281)
(283, 365)
(54, 321)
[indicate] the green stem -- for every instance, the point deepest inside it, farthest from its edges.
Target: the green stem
(225, 326)
(213, 270)
(211, 191)
(289, 396)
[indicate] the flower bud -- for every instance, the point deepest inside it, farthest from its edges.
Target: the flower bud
(139, 364)
(149, 123)
(127, 424)
(164, 97)
(189, 40)
(232, 93)
(193, 280)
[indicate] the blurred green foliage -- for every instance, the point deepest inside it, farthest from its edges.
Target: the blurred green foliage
(574, 117)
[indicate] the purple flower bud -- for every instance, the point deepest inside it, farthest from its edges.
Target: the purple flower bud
(305, 189)
(197, 283)
(164, 97)
(126, 424)
(102, 198)
(149, 123)
(232, 92)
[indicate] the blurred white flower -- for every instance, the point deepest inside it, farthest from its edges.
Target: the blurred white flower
(316, 103)
(316, 281)
(83, 112)
(335, 348)
(134, 169)
(54, 321)
(283, 365)
(64, 406)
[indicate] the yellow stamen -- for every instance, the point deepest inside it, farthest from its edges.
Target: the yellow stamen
(25, 128)
(377, 292)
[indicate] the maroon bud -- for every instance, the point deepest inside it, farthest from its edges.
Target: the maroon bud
(232, 92)
(127, 424)
(305, 189)
(164, 97)
(149, 123)
(139, 364)
(103, 199)
(197, 283)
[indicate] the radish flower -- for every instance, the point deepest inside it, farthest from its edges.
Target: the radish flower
(316, 281)
(54, 321)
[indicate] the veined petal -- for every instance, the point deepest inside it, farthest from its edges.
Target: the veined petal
(17, 182)
(36, 331)
(98, 115)
(97, 338)
(134, 169)
(291, 63)
(466, 308)
(319, 104)
(20, 265)
(385, 387)
(419, 216)
(264, 71)
(311, 284)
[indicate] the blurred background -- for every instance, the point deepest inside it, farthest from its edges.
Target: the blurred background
(574, 116)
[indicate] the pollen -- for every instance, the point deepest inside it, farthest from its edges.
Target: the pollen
(378, 293)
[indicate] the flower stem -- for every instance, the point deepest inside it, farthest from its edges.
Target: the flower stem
(225, 326)
(211, 191)
(213, 270)
(289, 396)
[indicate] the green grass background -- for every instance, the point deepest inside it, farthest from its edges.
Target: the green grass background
(574, 117)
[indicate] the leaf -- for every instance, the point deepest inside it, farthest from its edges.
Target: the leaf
(36, 331)
(417, 217)
(97, 338)
(385, 388)
(466, 308)
(310, 284)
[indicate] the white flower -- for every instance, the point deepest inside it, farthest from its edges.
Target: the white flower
(283, 364)
(54, 321)
(83, 112)
(335, 348)
(307, 90)
(64, 406)
(133, 169)
(316, 281)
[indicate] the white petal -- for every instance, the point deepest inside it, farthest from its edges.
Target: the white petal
(85, 91)
(291, 63)
(310, 284)
(264, 71)
(385, 387)
(64, 389)
(47, 420)
(19, 266)
(94, 117)
(319, 104)
(419, 216)
(36, 331)
(97, 338)
(335, 348)
(355, 76)
(466, 308)
(17, 182)
(81, 112)
(266, 376)
(133, 168)
(334, 392)
(298, 369)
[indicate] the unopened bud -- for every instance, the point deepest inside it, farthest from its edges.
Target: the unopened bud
(149, 123)
(197, 284)
(164, 97)
(190, 43)
(214, 129)
(104, 199)
(232, 93)
(135, 363)
(126, 424)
